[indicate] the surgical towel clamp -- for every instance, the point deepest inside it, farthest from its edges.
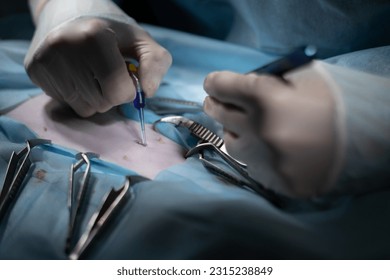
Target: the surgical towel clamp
(75, 203)
(99, 219)
(16, 172)
(200, 131)
(248, 183)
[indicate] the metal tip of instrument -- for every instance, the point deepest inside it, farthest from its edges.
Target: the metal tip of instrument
(142, 122)
(140, 143)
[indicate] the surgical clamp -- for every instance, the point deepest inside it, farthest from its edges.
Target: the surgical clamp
(75, 202)
(248, 183)
(113, 200)
(16, 172)
(199, 131)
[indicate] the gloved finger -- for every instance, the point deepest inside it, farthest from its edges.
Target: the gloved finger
(67, 92)
(74, 94)
(242, 147)
(232, 120)
(108, 68)
(154, 60)
(79, 89)
(153, 67)
(89, 89)
(43, 70)
(73, 90)
(234, 144)
(82, 107)
(241, 90)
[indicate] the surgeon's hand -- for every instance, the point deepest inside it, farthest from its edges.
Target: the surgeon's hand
(293, 124)
(79, 59)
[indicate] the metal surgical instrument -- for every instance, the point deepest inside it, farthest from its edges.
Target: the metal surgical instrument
(113, 200)
(297, 58)
(17, 169)
(77, 196)
(247, 183)
(199, 131)
(139, 101)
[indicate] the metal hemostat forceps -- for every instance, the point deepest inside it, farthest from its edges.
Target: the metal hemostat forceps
(76, 196)
(139, 101)
(111, 203)
(246, 183)
(199, 131)
(17, 170)
(210, 141)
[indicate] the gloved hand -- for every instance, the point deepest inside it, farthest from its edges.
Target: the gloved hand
(294, 125)
(77, 55)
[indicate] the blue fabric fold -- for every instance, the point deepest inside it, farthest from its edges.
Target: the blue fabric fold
(15, 85)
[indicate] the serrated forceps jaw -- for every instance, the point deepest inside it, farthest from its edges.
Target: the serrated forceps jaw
(198, 130)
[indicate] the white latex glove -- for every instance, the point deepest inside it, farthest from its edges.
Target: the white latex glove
(77, 54)
(292, 126)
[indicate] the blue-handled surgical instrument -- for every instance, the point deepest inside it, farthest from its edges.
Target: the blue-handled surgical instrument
(139, 101)
(299, 57)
